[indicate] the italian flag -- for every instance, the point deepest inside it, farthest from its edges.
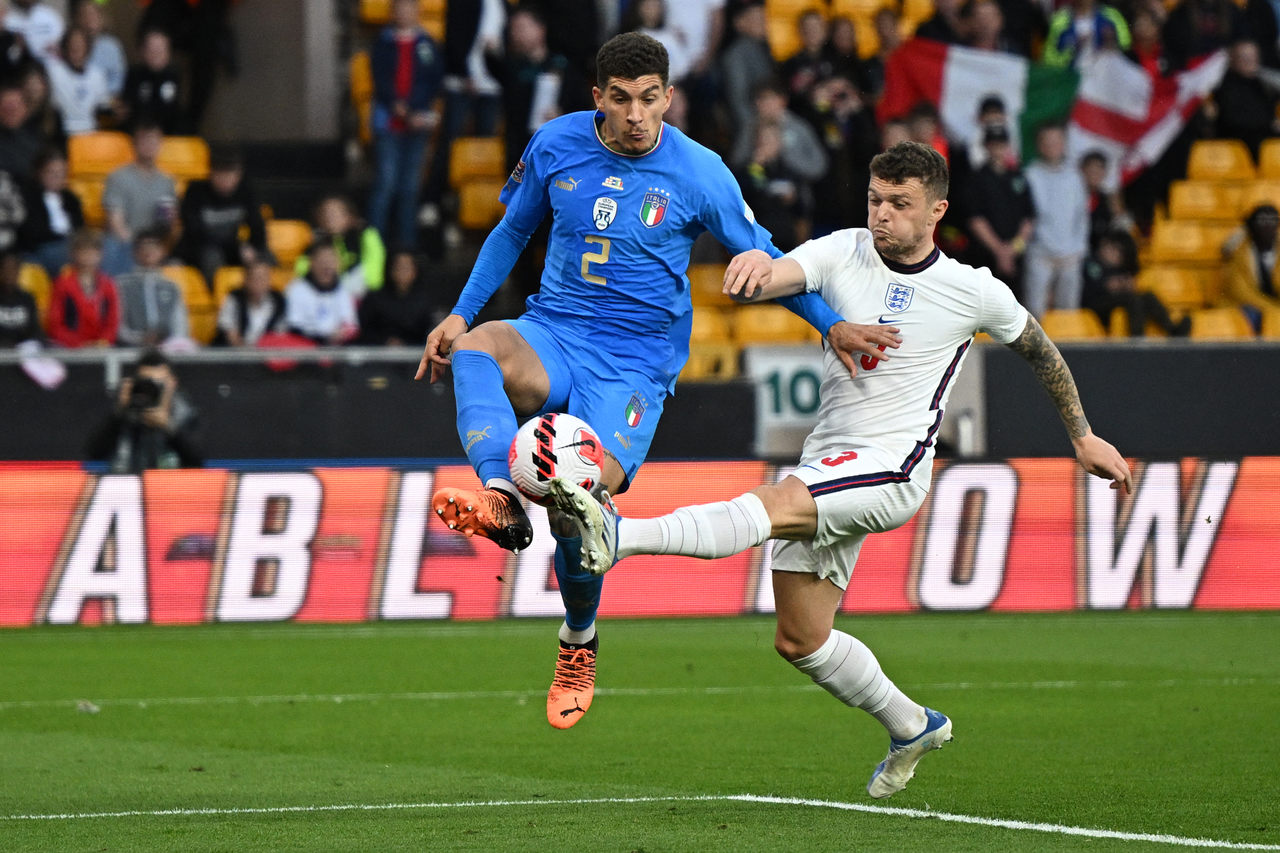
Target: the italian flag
(1110, 104)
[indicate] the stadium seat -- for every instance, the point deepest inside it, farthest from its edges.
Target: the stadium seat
(1259, 192)
(916, 12)
(89, 191)
(1180, 289)
(705, 283)
(34, 280)
(192, 284)
(865, 9)
(1220, 324)
(711, 325)
(1269, 159)
(784, 38)
(375, 11)
(1205, 200)
(474, 157)
(204, 324)
(1220, 160)
(98, 154)
(227, 279)
(288, 239)
(707, 360)
(1184, 242)
(789, 8)
(770, 324)
(1074, 325)
(360, 75)
(431, 13)
(478, 203)
(184, 157)
(1271, 323)
(1118, 326)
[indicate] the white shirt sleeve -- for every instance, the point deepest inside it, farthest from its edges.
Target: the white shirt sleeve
(1003, 317)
(817, 258)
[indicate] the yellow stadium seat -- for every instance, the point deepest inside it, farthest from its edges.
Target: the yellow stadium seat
(1218, 324)
(1220, 159)
(1179, 288)
(360, 74)
(378, 12)
(204, 323)
(288, 239)
(770, 324)
(34, 280)
(916, 12)
(1074, 325)
(478, 204)
(705, 283)
(1271, 323)
(1118, 325)
(184, 157)
(1259, 192)
(227, 279)
(1205, 200)
(711, 325)
(192, 284)
(98, 154)
(1269, 159)
(718, 361)
(1185, 242)
(375, 11)
(89, 191)
(790, 8)
(474, 157)
(784, 38)
(860, 8)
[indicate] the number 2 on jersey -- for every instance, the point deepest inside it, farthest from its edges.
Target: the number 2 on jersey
(599, 257)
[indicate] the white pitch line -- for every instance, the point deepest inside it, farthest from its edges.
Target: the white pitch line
(461, 695)
(891, 811)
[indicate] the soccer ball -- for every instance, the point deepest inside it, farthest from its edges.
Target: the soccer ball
(554, 445)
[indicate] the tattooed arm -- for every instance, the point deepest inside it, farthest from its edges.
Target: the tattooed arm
(1095, 455)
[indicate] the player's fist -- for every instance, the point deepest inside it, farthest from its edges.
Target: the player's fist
(747, 274)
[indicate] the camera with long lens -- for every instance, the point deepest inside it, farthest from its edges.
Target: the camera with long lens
(145, 394)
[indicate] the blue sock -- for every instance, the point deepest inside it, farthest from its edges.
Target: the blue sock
(579, 590)
(486, 421)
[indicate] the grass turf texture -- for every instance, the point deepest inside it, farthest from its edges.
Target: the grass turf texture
(1146, 723)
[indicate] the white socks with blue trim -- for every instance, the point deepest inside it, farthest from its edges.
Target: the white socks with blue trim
(844, 667)
(707, 530)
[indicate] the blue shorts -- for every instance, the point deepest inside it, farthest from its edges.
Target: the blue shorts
(621, 403)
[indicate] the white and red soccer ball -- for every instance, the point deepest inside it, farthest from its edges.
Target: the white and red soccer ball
(554, 445)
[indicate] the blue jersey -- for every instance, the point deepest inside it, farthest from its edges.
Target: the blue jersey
(622, 229)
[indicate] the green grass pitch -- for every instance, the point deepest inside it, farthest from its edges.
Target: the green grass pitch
(432, 736)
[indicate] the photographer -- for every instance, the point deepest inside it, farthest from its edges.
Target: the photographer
(153, 425)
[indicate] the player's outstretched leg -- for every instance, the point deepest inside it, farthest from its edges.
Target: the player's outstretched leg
(892, 774)
(492, 513)
(596, 520)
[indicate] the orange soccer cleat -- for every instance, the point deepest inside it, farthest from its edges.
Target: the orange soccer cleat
(491, 513)
(574, 684)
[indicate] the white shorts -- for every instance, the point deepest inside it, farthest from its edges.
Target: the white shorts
(855, 497)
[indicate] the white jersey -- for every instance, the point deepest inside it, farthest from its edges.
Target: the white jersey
(890, 412)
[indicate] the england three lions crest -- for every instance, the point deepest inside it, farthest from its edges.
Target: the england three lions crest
(654, 207)
(898, 297)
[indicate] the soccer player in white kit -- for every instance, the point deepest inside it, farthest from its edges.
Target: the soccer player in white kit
(867, 465)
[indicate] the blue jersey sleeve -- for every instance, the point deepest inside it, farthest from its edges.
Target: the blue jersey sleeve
(730, 219)
(525, 195)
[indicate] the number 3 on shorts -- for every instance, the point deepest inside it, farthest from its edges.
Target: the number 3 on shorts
(599, 257)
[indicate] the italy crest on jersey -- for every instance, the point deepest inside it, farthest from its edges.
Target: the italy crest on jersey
(653, 209)
(898, 297)
(634, 411)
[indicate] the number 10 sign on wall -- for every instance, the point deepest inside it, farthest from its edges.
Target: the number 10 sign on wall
(787, 380)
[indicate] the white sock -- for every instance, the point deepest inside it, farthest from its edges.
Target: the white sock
(506, 485)
(844, 667)
(576, 638)
(707, 530)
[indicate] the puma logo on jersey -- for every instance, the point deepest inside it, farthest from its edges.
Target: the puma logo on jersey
(568, 185)
(474, 435)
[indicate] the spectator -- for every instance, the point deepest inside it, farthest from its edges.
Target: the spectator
(214, 213)
(1262, 22)
(78, 90)
(984, 26)
(42, 119)
(406, 78)
(892, 132)
(19, 320)
(1001, 213)
(106, 53)
(1024, 24)
(870, 78)
(362, 256)
(772, 191)
(946, 25)
(40, 26)
(1253, 277)
(1197, 27)
(153, 424)
(251, 310)
(13, 210)
(54, 214)
(1081, 29)
(576, 35)
(84, 309)
(400, 313)
(19, 143)
(1146, 48)
(650, 17)
(925, 126)
(153, 87)
(15, 59)
(137, 196)
(1245, 104)
(201, 31)
(532, 81)
(809, 65)
(153, 311)
(1106, 206)
(317, 306)
(801, 153)
(1061, 237)
(1109, 284)
(699, 25)
(847, 130)
(746, 64)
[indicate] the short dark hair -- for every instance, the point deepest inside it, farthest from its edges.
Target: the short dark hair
(907, 160)
(990, 103)
(630, 56)
(152, 357)
(154, 234)
(225, 158)
(1093, 155)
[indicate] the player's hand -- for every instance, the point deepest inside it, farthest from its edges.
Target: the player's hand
(849, 340)
(1099, 458)
(747, 274)
(435, 358)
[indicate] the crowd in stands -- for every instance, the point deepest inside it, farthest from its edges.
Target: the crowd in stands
(786, 92)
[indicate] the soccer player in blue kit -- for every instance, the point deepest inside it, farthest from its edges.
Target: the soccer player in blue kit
(608, 332)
